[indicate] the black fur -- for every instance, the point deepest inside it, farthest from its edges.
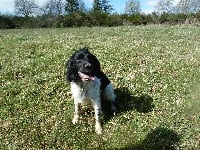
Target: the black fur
(77, 62)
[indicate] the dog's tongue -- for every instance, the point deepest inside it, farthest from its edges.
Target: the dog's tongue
(86, 77)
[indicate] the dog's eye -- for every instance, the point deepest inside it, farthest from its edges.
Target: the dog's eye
(89, 57)
(80, 56)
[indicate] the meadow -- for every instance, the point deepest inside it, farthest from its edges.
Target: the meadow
(154, 69)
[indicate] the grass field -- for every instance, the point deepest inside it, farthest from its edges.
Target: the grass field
(154, 69)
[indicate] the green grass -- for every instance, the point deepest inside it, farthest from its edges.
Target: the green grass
(154, 69)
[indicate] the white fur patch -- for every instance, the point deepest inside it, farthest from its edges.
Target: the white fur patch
(90, 92)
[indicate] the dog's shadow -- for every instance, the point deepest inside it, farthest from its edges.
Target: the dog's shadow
(158, 139)
(126, 101)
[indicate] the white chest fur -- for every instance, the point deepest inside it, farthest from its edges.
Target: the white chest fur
(86, 91)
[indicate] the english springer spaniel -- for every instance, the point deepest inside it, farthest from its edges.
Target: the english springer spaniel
(89, 84)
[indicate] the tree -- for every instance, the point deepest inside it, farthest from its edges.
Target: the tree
(97, 5)
(54, 7)
(102, 5)
(105, 6)
(25, 8)
(72, 6)
(184, 6)
(165, 6)
(82, 7)
(132, 7)
(195, 6)
(188, 6)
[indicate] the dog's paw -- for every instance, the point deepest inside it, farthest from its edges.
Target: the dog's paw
(98, 128)
(114, 110)
(75, 120)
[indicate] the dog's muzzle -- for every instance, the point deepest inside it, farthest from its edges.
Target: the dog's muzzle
(86, 77)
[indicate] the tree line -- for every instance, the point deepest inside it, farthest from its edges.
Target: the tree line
(74, 13)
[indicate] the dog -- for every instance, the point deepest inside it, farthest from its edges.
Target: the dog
(89, 84)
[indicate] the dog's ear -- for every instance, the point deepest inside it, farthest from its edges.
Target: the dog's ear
(97, 68)
(71, 70)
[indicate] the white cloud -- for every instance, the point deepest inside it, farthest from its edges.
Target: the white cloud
(151, 2)
(7, 6)
(176, 2)
(89, 1)
(148, 6)
(148, 11)
(41, 2)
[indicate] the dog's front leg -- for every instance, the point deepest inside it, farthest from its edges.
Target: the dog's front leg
(76, 113)
(97, 109)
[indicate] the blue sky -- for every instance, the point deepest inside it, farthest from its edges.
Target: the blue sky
(7, 6)
(147, 6)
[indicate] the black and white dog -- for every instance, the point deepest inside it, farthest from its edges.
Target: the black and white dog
(88, 84)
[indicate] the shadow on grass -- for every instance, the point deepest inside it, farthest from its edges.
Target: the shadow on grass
(127, 101)
(158, 139)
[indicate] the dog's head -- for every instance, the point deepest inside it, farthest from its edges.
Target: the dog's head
(82, 66)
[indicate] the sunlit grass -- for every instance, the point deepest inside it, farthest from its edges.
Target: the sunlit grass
(155, 71)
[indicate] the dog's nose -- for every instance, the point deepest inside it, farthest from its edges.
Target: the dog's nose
(88, 66)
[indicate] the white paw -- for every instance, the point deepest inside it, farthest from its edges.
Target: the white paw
(75, 120)
(98, 128)
(114, 110)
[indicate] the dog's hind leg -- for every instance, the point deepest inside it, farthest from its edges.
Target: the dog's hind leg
(110, 95)
(113, 106)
